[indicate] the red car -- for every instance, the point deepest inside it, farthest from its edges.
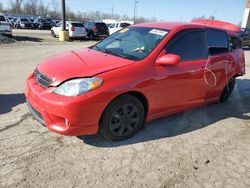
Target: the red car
(136, 75)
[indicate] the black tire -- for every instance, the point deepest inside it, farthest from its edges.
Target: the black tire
(122, 119)
(10, 36)
(53, 34)
(227, 90)
(92, 36)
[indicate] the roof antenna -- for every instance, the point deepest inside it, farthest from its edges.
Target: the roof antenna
(211, 17)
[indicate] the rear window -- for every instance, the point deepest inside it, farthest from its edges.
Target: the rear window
(101, 25)
(77, 24)
(217, 39)
(2, 19)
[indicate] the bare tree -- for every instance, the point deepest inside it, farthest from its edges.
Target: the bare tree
(30, 7)
(42, 9)
(1, 7)
(16, 6)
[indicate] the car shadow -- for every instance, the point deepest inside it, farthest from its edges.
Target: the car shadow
(8, 101)
(182, 123)
(30, 39)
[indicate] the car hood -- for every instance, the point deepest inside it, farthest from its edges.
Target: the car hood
(79, 63)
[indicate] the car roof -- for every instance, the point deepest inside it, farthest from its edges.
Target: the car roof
(176, 25)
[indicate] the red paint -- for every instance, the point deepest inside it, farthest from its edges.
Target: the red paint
(167, 88)
(219, 24)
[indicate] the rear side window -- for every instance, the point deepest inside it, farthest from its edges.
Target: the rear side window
(189, 45)
(217, 39)
(2, 19)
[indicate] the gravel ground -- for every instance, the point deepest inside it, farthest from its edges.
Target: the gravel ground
(203, 147)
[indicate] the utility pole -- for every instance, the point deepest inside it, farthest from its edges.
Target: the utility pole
(63, 34)
(63, 15)
(135, 10)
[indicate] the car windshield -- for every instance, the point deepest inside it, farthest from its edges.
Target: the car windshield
(134, 43)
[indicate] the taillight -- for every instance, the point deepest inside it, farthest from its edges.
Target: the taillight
(94, 29)
(72, 28)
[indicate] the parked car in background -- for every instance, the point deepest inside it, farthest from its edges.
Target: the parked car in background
(244, 36)
(5, 26)
(23, 23)
(117, 26)
(138, 74)
(42, 23)
(76, 29)
(96, 30)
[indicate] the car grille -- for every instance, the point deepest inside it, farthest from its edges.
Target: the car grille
(42, 79)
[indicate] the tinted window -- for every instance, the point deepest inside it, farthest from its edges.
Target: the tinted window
(77, 24)
(24, 20)
(189, 45)
(101, 25)
(235, 43)
(216, 38)
(2, 19)
(125, 24)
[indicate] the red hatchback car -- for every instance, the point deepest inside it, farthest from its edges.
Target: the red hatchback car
(136, 75)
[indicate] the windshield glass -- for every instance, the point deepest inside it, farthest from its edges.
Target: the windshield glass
(133, 43)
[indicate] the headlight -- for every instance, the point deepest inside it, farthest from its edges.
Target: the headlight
(78, 86)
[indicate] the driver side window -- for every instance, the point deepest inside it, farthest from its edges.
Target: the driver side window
(189, 45)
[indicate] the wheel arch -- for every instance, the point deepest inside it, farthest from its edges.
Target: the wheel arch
(139, 95)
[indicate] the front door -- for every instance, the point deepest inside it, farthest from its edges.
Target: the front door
(182, 85)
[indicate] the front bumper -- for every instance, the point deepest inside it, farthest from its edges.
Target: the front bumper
(72, 116)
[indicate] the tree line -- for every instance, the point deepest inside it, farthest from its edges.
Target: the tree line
(52, 10)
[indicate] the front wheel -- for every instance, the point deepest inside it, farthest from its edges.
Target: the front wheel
(227, 90)
(123, 118)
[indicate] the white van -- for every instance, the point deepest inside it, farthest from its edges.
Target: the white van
(5, 26)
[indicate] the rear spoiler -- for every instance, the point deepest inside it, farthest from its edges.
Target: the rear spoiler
(219, 24)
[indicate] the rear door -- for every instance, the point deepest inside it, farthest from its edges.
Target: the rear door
(219, 62)
(182, 85)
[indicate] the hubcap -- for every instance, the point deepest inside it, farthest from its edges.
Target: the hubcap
(124, 120)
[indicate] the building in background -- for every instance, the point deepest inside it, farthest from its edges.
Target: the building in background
(246, 17)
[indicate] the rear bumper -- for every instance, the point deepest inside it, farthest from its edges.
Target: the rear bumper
(72, 116)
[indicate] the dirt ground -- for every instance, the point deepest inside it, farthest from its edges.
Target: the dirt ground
(204, 147)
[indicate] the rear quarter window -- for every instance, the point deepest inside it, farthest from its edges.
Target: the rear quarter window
(235, 43)
(2, 19)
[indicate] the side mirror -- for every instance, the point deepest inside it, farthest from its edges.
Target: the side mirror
(168, 59)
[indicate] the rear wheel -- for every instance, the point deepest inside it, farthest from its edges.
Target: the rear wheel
(123, 118)
(227, 90)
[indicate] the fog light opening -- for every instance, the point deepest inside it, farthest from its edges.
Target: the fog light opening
(67, 122)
